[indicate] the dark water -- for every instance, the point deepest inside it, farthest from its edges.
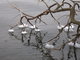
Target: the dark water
(13, 49)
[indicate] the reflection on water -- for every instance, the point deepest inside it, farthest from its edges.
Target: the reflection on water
(11, 47)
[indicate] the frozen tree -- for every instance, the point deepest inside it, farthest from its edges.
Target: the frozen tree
(73, 9)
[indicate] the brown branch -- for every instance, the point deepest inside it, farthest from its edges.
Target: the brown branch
(47, 12)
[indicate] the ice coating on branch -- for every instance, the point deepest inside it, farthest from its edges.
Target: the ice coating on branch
(32, 27)
(37, 30)
(11, 30)
(24, 32)
(49, 46)
(60, 26)
(70, 28)
(23, 26)
(77, 45)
